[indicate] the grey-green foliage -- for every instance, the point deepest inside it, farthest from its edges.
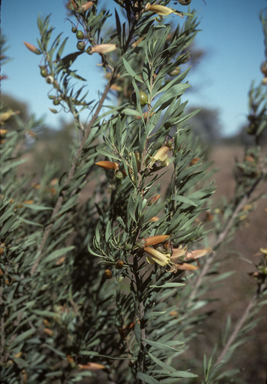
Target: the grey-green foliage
(60, 310)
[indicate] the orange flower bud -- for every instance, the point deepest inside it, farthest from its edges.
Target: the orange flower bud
(61, 260)
(48, 331)
(72, 3)
(144, 116)
(3, 131)
(154, 218)
(2, 247)
(32, 48)
(28, 202)
(107, 165)
(155, 239)
(194, 161)
(115, 87)
(186, 267)
(91, 366)
(154, 199)
(70, 359)
(85, 7)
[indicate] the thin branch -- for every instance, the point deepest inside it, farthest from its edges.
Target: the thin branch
(240, 323)
(222, 237)
(70, 175)
(2, 329)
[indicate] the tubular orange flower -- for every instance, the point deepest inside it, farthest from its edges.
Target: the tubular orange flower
(91, 366)
(186, 267)
(85, 6)
(161, 10)
(177, 253)
(182, 266)
(107, 165)
(157, 257)
(32, 48)
(102, 48)
(152, 240)
(197, 253)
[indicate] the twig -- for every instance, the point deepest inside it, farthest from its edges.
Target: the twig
(240, 323)
(222, 237)
(68, 179)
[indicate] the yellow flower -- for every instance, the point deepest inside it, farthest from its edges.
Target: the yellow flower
(102, 48)
(157, 257)
(161, 156)
(6, 115)
(161, 10)
(179, 255)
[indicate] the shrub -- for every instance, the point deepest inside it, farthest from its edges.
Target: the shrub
(110, 285)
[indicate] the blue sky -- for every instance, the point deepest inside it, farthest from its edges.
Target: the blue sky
(231, 34)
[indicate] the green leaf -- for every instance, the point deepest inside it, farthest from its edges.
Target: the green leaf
(23, 336)
(107, 154)
(222, 276)
(168, 285)
(49, 314)
(130, 112)
(36, 207)
(29, 222)
(137, 332)
(185, 200)
(131, 71)
(161, 346)
(61, 48)
(168, 96)
(161, 364)
(59, 252)
(147, 379)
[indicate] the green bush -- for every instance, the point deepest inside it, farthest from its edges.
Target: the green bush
(112, 285)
